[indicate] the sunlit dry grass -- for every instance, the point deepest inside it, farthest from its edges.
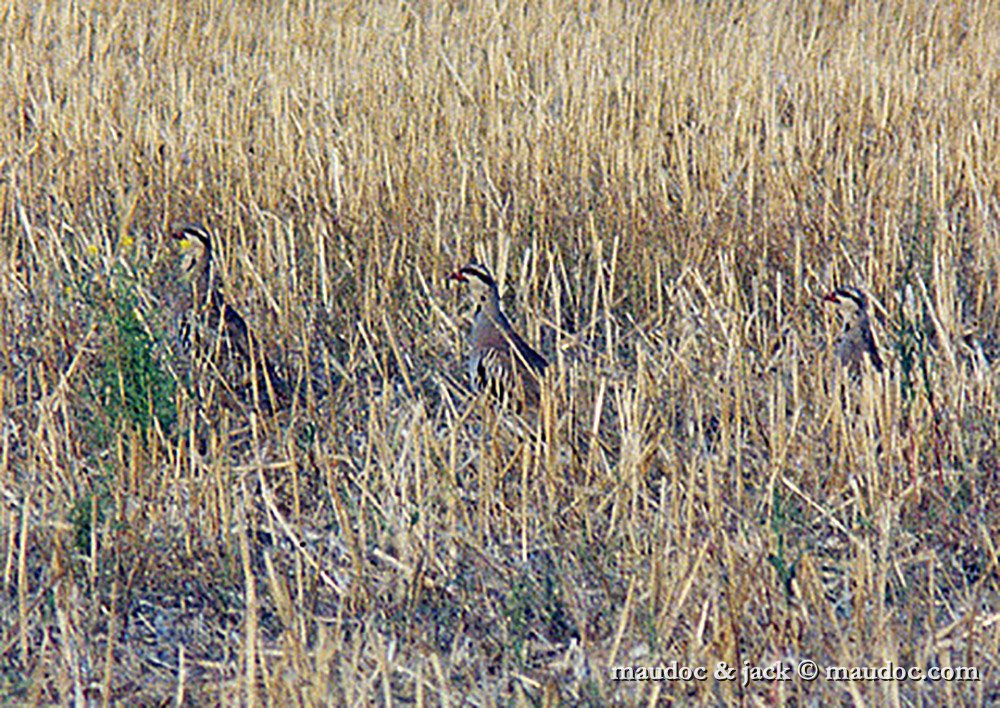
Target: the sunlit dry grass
(665, 193)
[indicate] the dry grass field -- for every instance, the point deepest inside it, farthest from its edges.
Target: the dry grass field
(665, 192)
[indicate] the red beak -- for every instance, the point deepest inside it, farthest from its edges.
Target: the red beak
(832, 297)
(459, 276)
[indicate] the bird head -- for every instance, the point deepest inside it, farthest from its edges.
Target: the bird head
(481, 284)
(195, 245)
(851, 302)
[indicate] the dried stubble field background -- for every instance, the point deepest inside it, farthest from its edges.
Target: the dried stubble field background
(665, 193)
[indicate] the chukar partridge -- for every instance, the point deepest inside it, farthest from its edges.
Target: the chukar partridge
(214, 327)
(857, 339)
(500, 361)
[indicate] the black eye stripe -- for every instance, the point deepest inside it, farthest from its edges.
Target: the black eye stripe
(198, 234)
(192, 232)
(480, 275)
(855, 297)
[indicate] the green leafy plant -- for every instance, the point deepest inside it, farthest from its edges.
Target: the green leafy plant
(132, 384)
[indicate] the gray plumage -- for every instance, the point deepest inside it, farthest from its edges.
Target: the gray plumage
(214, 328)
(500, 361)
(857, 339)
